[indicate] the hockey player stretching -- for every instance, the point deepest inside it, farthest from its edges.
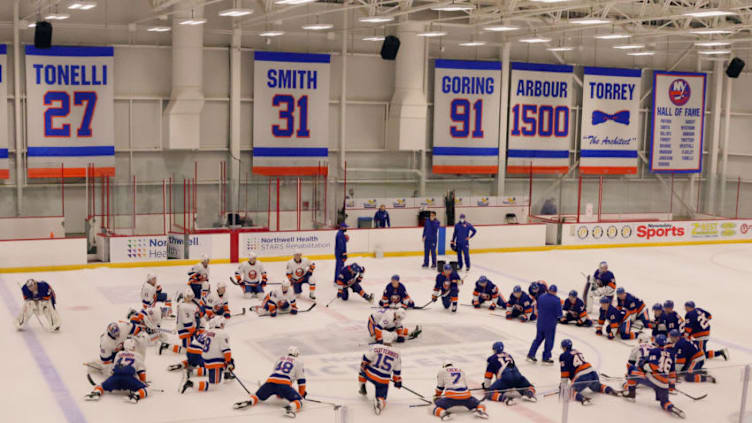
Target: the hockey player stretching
(452, 391)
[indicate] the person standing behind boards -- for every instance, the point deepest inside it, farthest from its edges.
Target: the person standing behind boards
(430, 238)
(381, 218)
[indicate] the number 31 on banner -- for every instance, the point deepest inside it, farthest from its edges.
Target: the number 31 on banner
(59, 103)
(287, 112)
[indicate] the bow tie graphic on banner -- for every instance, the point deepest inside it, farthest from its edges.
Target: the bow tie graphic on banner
(618, 117)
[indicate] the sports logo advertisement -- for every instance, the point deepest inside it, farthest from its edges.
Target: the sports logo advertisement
(4, 169)
(139, 248)
(286, 243)
(678, 122)
(539, 128)
(466, 117)
(655, 232)
(70, 111)
(290, 113)
(610, 124)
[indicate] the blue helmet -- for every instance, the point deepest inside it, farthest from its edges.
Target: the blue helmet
(566, 344)
(395, 277)
(517, 288)
(605, 300)
(660, 340)
(447, 267)
(553, 288)
(674, 333)
(534, 286)
(620, 290)
(657, 306)
(355, 267)
(483, 278)
(668, 304)
(690, 304)
(113, 330)
(498, 347)
(573, 293)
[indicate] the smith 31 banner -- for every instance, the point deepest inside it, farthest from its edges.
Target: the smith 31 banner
(610, 124)
(4, 170)
(678, 122)
(290, 113)
(70, 111)
(466, 117)
(539, 127)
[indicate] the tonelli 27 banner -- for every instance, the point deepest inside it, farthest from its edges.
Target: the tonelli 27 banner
(539, 128)
(610, 125)
(4, 170)
(70, 111)
(466, 117)
(290, 113)
(678, 122)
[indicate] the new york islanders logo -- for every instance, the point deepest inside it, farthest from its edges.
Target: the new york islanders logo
(679, 92)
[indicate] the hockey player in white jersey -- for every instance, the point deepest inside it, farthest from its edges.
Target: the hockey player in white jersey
(198, 277)
(111, 342)
(380, 364)
(40, 300)
(641, 350)
(151, 294)
(391, 321)
(287, 371)
(300, 271)
(215, 304)
(281, 299)
(128, 374)
(189, 315)
(452, 391)
(216, 356)
(251, 276)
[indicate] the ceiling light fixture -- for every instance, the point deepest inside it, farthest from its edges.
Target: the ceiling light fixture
(432, 34)
(589, 21)
(629, 46)
(500, 28)
(641, 53)
(534, 40)
(293, 1)
(193, 21)
(473, 44)
(376, 19)
(373, 38)
(31, 25)
(711, 31)
(562, 48)
(548, 1)
(158, 29)
(714, 51)
(708, 13)
(235, 12)
(712, 43)
(317, 27)
(271, 33)
(57, 16)
(612, 36)
(454, 7)
(82, 5)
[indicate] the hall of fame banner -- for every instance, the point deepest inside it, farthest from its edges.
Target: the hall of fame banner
(290, 113)
(70, 107)
(610, 125)
(466, 117)
(539, 129)
(4, 165)
(678, 122)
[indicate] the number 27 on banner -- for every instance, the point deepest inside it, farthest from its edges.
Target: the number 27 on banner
(59, 106)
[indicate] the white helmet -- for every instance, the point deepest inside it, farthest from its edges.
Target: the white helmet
(217, 322)
(252, 256)
(204, 259)
(31, 282)
(388, 338)
(644, 338)
(150, 277)
(293, 351)
(129, 345)
(399, 315)
(445, 364)
(285, 285)
(221, 285)
(188, 293)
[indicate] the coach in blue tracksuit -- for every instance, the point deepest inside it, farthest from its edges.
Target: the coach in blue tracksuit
(381, 218)
(549, 313)
(430, 238)
(463, 231)
(340, 250)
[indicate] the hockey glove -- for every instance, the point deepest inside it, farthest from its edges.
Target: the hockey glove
(610, 335)
(434, 298)
(491, 307)
(398, 384)
(599, 332)
(293, 311)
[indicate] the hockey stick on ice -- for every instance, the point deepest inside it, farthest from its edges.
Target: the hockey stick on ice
(242, 312)
(416, 394)
(690, 396)
(336, 406)
(424, 306)
(239, 381)
(331, 301)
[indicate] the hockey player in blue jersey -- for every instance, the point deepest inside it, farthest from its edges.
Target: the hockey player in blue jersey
(635, 308)
(690, 358)
(537, 288)
(618, 323)
(520, 306)
(430, 239)
(670, 318)
(452, 391)
(461, 235)
(128, 374)
(583, 376)
(658, 326)
(487, 292)
(657, 371)
(40, 300)
(509, 381)
(349, 279)
(697, 328)
(574, 311)
(447, 286)
(340, 250)
(395, 295)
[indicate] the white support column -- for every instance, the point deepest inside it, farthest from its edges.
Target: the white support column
(17, 104)
(503, 118)
(711, 204)
(235, 117)
(343, 93)
(726, 136)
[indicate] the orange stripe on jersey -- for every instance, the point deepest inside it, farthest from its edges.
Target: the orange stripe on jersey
(457, 395)
(581, 369)
(214, 365)
(376, 378)
(700, 334)
(278, 381)
(488, 375)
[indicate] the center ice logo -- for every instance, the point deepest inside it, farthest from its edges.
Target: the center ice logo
(679, 92)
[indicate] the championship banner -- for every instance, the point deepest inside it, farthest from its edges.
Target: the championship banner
(610, 124)
(678, 122)
(70, 108)
(4, 166)
(539, 128)
(466, 117)
(290, 113)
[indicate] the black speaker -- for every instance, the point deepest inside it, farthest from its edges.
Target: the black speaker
(735, 67)
(390, 47)
(43, 35)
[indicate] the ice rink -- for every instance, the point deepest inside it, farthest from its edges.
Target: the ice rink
(44, 380)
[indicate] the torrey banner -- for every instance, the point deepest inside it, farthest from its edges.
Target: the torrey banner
(539, 126)
(610, 121)
(466, 117)
(290, 113)
(678, 122)
(70, 111)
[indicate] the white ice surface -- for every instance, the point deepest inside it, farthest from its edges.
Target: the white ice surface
(44, 380)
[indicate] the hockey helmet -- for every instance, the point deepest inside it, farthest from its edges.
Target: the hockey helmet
(285, 285)
(620, 290)
(657, 306)
(644, 338)
(293, 351)
(605, 300)
(446, 363)
(674, 333)
(188, 294)
(498, 347)
(566, 344)
(660, 340)
(388, 338)
(252, 256)
(217, 322)
(573, 293)
(113, 330)
(690, 304)
(399, 315)
(668, 304)
(129, 345)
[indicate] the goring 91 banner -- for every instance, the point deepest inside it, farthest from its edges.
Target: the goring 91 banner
(70, 111)
(610, 124)
(4, 169)
(678, 122)
(290, 113)
(466, 117)
(539, 125)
